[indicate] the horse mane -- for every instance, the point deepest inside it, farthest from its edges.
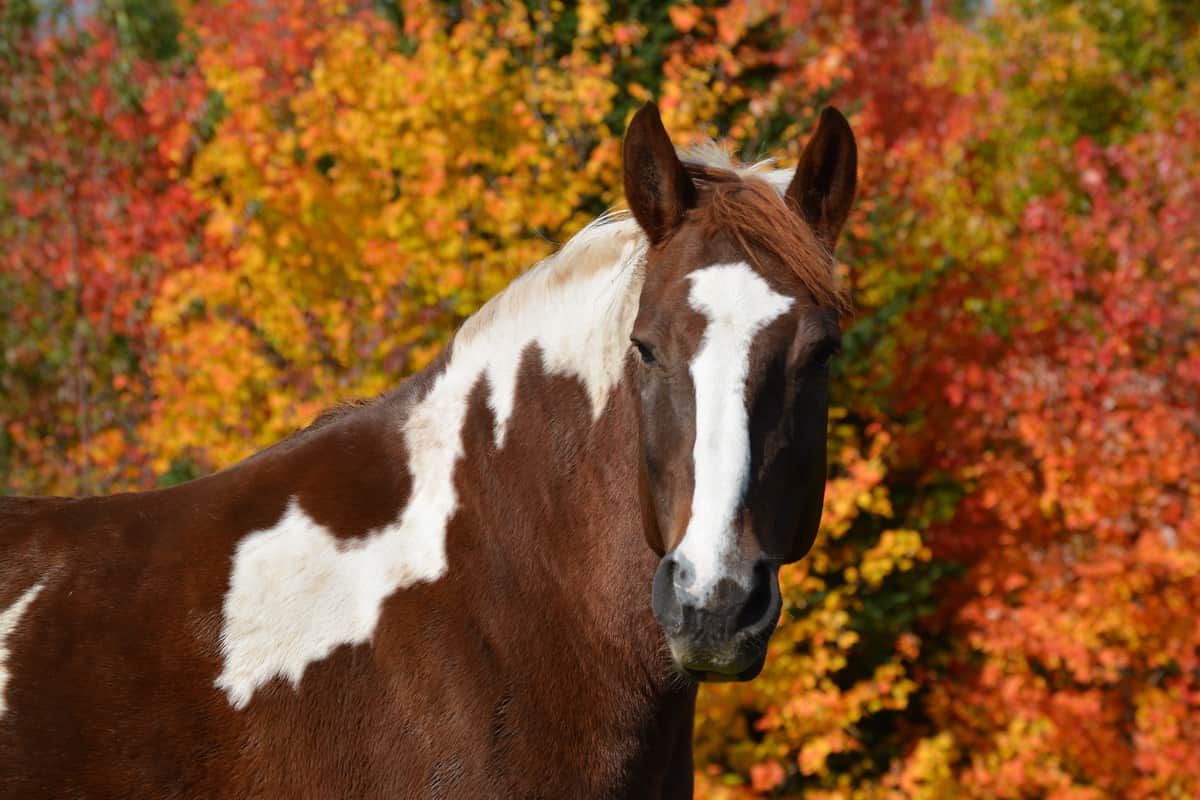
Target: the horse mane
(611, 240)
(336, 412)
(325, 419)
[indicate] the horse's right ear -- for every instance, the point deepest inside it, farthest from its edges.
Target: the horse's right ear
(657, 187)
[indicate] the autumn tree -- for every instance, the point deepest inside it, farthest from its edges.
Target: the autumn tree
(93, 135)
(216, 219)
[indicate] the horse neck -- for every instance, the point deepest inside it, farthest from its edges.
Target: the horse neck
(562, 575)
(550, 431)
(548, 473)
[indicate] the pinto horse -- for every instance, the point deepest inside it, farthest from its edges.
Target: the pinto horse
(505, 577)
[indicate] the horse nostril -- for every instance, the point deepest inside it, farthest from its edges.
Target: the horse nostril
(758, 605)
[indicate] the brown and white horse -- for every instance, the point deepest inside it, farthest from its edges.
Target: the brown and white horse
(447, 591)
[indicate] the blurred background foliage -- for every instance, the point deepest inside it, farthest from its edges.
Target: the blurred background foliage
(218, 218)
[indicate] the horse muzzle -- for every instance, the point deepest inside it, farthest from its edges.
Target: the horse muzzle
(717, 632)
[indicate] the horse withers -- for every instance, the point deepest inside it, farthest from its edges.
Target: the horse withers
(447, 591)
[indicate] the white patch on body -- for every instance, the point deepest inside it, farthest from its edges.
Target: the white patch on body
(738, 303)
(297, 592)
(8, 623)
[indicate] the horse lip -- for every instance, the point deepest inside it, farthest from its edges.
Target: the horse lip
(712, 676)
(738, 669)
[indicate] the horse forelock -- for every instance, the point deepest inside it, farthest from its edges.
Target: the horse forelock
(748, 201)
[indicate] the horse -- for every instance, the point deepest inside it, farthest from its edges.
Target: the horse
(507, 576)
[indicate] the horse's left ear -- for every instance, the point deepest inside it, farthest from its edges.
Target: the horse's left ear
(822, 190)
(657, 187)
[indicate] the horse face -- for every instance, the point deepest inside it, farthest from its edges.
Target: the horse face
(732, 342)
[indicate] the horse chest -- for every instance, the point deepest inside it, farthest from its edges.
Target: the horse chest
(394, 726)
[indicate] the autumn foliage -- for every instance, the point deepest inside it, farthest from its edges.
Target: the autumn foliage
(217, 219)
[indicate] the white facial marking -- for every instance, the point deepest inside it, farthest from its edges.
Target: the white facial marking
(297, 592)
(738, 304)
(8, 623)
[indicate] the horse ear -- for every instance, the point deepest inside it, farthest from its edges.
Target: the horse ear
(657, 186)
(822, 190)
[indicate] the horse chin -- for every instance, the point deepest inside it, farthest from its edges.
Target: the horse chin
(733, 673)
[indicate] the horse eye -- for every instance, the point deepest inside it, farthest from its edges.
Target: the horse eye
(825, 352)
(645, 352)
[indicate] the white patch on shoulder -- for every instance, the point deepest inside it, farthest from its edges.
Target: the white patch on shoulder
(738, 303)
(8, 623)
(297, 592)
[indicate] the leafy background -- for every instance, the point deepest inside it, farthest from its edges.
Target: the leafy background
(218, 218)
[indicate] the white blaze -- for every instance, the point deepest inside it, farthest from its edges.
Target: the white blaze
(8, 623)
(738, 304)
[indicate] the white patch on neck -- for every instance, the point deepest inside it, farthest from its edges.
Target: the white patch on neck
(738, 304)
(577, 306)
(8, 623)
(297, 592)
